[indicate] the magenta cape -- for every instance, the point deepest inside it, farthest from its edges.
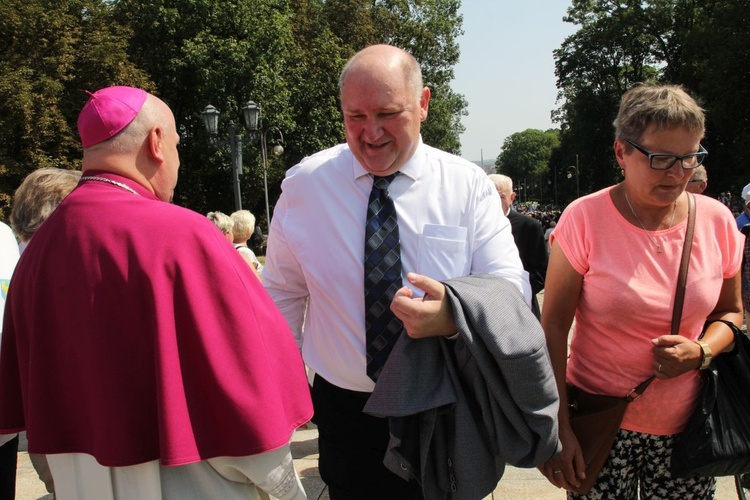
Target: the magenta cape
(135, 331)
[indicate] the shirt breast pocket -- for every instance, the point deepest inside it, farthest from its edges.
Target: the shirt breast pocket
(442, 252)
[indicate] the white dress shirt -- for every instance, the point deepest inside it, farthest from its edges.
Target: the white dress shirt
(450, 224)
(8, 260)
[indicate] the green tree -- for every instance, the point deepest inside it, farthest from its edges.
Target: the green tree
(220, 53)
(285, 55)
(51, 52)
(717, 63)
(703, 45)
(526, 157)
(611, 51)
(427, 29)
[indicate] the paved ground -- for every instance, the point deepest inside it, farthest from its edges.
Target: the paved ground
(517, 484)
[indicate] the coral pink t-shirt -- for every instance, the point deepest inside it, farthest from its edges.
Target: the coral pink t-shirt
(627, 299)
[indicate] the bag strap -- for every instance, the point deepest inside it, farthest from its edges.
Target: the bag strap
(679, 296)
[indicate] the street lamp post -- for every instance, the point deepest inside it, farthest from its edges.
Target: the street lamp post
(555, 186)
(211, 119)
(253, 125)
(251, 114)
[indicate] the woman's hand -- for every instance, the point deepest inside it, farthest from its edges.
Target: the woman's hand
(566, 468)
(675, 355)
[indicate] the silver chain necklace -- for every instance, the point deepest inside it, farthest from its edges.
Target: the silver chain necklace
(658, 245)
(110, 181)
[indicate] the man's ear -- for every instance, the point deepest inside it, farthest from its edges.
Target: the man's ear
(424, 103)
(156, 143)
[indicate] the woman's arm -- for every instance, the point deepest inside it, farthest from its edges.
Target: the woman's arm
(729, 308)
(675, 355)
(561, 295)
(251, 264)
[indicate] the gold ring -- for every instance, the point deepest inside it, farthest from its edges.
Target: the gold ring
(556, 471)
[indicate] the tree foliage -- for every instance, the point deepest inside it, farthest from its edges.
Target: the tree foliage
(527, 153)
(52, 52)
(285, 55)
(526, 158)
(703, 45)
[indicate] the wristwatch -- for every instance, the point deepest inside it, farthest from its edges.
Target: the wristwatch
(706, 354)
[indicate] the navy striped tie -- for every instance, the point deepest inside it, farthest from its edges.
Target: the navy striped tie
(382, 276)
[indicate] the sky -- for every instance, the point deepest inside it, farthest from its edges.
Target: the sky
(506, 71)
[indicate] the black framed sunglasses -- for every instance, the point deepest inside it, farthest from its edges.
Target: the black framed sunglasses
(665, 161)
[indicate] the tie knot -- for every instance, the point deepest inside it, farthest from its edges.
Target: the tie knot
(382, 182)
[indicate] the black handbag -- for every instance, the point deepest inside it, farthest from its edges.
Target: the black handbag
(716, 440)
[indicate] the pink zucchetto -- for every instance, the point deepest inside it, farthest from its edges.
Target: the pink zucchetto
(107, 112)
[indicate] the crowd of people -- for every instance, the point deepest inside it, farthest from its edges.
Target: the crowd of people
(147, 352)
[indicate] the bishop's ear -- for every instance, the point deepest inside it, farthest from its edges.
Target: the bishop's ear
(156, 143)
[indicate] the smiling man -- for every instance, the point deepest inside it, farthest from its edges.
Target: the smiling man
(390, 206)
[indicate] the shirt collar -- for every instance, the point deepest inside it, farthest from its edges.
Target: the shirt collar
(412, 168)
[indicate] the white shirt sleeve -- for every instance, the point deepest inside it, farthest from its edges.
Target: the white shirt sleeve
(283, 277)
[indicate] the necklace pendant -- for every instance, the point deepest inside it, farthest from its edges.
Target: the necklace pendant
(658, 249)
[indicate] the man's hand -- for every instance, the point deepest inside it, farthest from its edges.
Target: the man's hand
(428, 316)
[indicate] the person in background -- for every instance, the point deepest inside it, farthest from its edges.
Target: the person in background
(8, 442)
(699, 181)
(744, 218)
(547, 234)
(258, 240)
(145, 363)
(392, 209)
(614, 265)
(38, 195)
(244, 225)
(529, 238)
(224, 223)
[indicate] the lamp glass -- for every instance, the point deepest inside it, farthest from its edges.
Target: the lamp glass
(251, 112)
(211, 119)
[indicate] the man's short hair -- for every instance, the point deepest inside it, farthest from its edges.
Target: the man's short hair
(746, 194)
(408, 65)
(700, 174)
(502, 182)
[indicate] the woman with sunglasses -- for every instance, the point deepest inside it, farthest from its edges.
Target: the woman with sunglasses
(613, 266)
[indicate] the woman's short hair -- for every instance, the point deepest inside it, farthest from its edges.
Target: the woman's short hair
(222, 221)
(38, 196)
(660, 107)
(244, 224)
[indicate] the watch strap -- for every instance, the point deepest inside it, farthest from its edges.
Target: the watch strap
(706, 354)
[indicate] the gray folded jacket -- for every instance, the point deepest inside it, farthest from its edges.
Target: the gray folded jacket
(460, 409)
